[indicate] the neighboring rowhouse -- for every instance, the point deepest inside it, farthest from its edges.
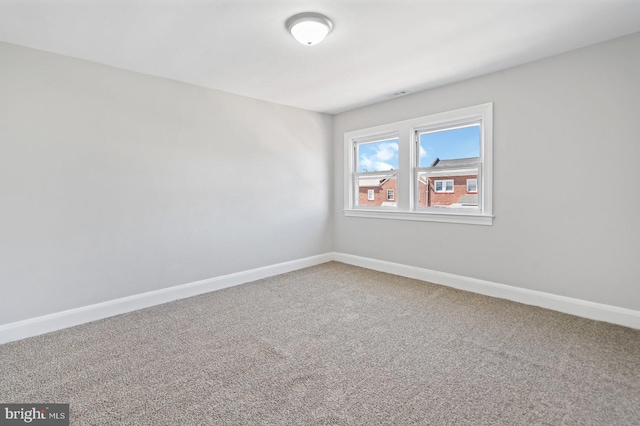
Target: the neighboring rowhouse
(451, 183)
(377, 192)
(455, 187)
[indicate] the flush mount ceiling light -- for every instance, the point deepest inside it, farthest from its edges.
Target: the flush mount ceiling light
(309, 27)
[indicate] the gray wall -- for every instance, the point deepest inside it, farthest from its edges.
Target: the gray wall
(566, 179)
(114, 183)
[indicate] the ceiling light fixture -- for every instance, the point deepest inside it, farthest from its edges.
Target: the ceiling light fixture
(309, 27)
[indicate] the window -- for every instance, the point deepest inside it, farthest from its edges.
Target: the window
(390, 194)
(472, 185)
(444, 185)
(449, 155)
(375, 164)
(433, 168)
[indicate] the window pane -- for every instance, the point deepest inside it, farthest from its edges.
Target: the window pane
(376, 190)
(447, 188)
(472, 185)
(377, 156)
(441, 148)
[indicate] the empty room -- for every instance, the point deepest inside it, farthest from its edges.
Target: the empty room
(294, 212)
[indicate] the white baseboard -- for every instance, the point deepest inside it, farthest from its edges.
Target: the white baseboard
(59, 320)
(581, 308)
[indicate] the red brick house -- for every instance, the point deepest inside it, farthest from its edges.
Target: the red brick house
(456, 188)
(377, 192)
(459, 188)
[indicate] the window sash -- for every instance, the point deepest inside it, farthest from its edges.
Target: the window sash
(425, 174)
(378, 138)
(371, 176)
(445, 127)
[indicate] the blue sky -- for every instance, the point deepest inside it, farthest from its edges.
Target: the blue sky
(377, 156)
(446, 145)
(449, 144)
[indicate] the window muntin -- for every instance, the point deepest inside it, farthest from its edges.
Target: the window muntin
(415, 171)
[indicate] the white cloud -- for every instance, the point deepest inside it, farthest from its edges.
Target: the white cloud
(379, 158)
(386, 151)
(369, 164)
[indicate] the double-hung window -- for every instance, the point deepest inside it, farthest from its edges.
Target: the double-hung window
(432, 168)
(375, 171)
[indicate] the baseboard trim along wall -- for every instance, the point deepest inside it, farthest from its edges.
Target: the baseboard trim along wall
(59, 320)
(568, 305)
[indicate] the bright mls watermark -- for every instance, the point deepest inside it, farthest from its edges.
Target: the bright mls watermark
(34, 414)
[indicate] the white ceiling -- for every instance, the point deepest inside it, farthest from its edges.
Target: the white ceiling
(377, 47)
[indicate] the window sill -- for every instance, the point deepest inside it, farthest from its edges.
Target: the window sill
(468, 219)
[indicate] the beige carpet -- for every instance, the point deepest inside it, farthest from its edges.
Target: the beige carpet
(333, 345)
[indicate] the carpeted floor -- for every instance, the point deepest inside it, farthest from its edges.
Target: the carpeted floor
(333, 345)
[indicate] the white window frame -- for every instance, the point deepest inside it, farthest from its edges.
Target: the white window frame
(354, 176)
(469, 180)
(407, 185)
(444, 186)
(371, 195)
(392, 193)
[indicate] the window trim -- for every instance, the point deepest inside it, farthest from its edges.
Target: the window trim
(406, 179)
(371, 195)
